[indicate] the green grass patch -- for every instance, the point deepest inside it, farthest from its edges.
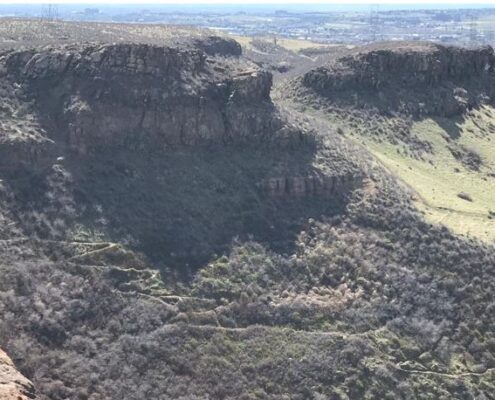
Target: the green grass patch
(440, 176)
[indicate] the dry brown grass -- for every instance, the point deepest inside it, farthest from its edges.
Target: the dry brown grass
(30, 32)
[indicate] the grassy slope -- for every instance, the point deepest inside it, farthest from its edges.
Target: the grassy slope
(438, 182)
(289, 44)
(436, 178)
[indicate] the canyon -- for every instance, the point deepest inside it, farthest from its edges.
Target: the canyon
(176, 223)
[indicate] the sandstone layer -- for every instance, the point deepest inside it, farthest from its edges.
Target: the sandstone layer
(134, 94)
(417, 79)
(13, 385)
(312, 185)
(162, 147)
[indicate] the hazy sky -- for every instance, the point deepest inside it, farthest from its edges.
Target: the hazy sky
(427, 3)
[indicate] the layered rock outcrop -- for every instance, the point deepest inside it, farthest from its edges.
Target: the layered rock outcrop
(135, 94)
(216, 46)
(418, 79)
(13, 385)
(312, 185)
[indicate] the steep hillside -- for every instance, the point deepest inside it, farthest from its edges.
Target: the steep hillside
(426, 112)
(94, 132)
(168, 232)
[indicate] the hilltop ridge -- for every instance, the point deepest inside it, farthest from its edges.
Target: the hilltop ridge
(179, 96)
(410, 78)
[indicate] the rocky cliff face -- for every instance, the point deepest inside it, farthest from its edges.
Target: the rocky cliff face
(13, 385)
(416, 79)
(135, 94)
(312, 185)
(160, 146)
(216, 46)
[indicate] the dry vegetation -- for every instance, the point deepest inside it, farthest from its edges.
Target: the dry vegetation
(437, 159)
(169, 273)
(34, 32)
(289, 44)
(390, 305)
(443, 155)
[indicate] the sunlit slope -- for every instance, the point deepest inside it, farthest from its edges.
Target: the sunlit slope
(422, 110)
(289, 44)
(439, 177)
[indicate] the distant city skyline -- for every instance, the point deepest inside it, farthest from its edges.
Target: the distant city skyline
(324, 5)
(454, 24)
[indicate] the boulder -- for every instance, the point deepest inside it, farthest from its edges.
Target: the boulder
(13, 385)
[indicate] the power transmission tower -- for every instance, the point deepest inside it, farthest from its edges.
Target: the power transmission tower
(473, 31)
(374, 21)
(49, 12)
(490, 37)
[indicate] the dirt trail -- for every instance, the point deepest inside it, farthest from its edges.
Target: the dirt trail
(445, 374)
(109, 246)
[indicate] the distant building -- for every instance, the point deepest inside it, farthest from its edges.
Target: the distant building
(91, 11)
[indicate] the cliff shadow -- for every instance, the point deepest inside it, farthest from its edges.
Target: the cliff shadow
(450, 125)
(182, 207)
